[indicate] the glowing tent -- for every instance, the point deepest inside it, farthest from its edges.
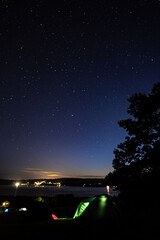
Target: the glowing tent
(83, 206)
(101, 206)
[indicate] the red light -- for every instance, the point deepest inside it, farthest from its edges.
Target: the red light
(54, 216)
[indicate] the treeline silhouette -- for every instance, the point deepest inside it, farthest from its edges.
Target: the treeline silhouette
(137, 166)
(137, 159)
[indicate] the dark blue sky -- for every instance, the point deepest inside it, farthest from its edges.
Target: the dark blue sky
(67, 69)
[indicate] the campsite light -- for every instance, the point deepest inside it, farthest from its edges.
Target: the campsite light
(5, 204)
(54, 216)
(81, 208)
(23, 209)
(102, 205)
(6, 210)
(103, 198)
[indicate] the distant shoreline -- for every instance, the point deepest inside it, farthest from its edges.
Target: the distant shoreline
(97, 182)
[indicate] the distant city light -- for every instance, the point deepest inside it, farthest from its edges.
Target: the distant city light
(17, 184)
(37, 184)
(107, 189)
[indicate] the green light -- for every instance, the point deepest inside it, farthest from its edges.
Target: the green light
(64, 219)
(103, 198)
(81, 209)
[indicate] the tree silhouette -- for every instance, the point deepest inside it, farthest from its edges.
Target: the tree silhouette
(139, 154)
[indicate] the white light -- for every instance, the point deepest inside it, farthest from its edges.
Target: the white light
(17, 184)
(107, 189)
(23, 209)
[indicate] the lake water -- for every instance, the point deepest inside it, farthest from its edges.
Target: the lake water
(51, 191)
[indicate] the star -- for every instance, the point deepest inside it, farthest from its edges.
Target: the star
(66, 72)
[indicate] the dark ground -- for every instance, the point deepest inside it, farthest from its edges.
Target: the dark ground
(138, 219)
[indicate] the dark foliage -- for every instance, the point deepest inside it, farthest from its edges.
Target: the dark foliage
(138, 157)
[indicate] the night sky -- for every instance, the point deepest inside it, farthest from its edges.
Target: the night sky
(67, 68)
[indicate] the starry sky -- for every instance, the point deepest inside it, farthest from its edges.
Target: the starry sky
(67, 68)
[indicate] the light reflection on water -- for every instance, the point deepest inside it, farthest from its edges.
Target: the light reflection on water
(52, 191)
